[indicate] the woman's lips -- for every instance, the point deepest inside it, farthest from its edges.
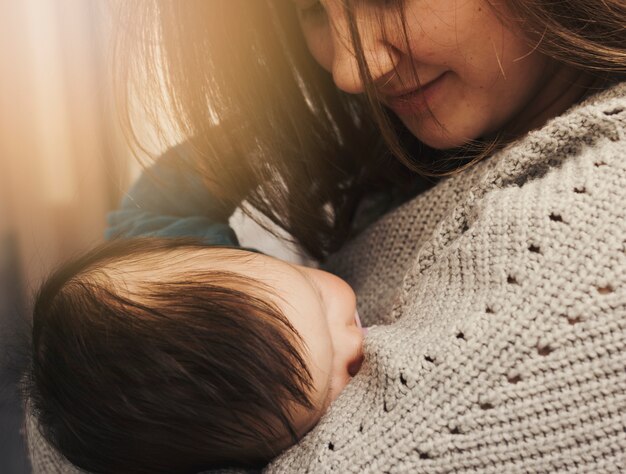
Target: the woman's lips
(417, 101)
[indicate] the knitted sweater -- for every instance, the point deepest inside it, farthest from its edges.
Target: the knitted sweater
(499, 304)
(500, 300)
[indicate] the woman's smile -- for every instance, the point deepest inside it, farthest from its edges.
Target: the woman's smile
(418, 100)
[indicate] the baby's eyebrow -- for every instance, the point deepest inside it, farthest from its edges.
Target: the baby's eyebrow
(318, 292)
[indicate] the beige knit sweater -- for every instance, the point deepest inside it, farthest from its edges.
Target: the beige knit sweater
(499, 299)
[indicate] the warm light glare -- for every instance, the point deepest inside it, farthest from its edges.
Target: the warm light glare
(62, 163)
(50, 121)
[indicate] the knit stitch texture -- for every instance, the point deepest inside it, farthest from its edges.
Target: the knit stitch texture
(503, 297)
(499, 304)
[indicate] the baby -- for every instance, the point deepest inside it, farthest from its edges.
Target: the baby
(165, 355)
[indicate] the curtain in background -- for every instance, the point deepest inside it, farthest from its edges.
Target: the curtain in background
(62, 163)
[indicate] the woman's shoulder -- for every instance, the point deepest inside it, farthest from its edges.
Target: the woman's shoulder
(602, 114)
(614, 90)
(594, 128)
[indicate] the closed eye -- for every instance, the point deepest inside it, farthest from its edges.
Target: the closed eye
(314, 10)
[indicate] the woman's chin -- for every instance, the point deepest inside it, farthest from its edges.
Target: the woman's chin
(436, 136)
(440, 134)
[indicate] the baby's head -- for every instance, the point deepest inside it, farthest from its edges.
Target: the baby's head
(161, 355)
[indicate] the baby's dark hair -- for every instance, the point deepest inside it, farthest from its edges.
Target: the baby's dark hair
(168, 375)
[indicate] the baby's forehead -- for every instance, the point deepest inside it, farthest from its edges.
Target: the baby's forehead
(187, 258)
(134, 273)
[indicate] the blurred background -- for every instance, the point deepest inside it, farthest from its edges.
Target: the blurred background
(63, 165)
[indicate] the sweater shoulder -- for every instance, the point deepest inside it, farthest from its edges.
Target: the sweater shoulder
(595, 123)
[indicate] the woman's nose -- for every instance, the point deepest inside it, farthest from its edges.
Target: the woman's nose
(381, 58)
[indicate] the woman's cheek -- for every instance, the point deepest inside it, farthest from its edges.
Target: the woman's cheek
(320, 45)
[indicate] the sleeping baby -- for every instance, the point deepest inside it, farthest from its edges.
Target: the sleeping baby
(165, 355)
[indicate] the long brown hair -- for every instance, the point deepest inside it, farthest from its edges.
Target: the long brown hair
(267, 125)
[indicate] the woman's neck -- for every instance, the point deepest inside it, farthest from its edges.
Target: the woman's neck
(564, 87)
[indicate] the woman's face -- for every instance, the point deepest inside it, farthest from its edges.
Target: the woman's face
(475, 73)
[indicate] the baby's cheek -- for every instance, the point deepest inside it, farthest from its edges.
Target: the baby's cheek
(337, 385)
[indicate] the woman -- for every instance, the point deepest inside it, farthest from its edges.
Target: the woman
(503, 285)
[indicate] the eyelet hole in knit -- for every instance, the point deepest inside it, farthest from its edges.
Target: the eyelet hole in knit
(544, 350)
(511, 280)
(429, 359)
(424, 455)
(402, 379)
(460, 335)
(361, 428)
(514, 379)
(331, 446)
(534, 248)
(556, 217)
(614, 111)
(489, 310)
(486, 406)
(455, 431)
(571, 320)
(605, 290)
(580, 190)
